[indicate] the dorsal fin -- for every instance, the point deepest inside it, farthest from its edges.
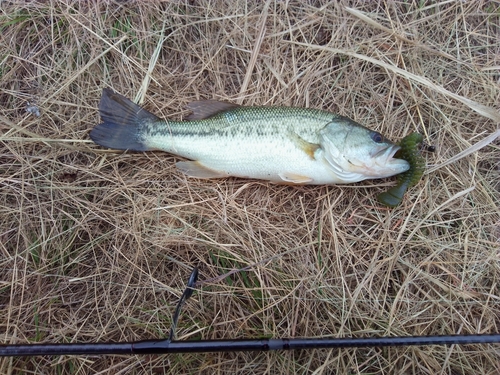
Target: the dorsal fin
(203, 109)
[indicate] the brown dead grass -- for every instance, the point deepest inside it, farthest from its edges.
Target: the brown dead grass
(97, 244)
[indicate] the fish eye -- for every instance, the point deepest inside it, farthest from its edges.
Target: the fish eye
(376, 137)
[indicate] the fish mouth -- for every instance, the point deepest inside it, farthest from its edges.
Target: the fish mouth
(385, 157)
(386, 153)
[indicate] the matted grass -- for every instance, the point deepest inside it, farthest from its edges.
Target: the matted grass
(96, 245)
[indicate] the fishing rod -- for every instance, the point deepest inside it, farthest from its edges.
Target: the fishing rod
(170, 345)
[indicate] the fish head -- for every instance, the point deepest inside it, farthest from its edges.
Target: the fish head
(356, 153)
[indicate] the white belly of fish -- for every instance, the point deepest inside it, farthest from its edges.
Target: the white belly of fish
(268, 159)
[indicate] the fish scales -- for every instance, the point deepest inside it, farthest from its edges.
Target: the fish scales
(269, 126)
(249, 137)
(261, 121)
(279, 144)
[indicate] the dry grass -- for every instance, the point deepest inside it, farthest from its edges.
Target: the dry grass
(98, 244)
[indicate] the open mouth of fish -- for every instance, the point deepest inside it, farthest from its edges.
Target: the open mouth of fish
(383, 163)
(387, 158)
(386, 154)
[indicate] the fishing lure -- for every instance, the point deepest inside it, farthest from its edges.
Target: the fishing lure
(410, 152)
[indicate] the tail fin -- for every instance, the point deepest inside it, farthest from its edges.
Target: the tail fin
(122, 121)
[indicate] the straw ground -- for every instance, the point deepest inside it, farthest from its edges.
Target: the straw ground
(96, 245)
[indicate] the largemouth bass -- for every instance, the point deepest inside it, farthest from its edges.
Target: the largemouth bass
(279, 144)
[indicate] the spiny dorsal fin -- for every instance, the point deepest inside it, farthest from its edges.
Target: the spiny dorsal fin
(203, 109)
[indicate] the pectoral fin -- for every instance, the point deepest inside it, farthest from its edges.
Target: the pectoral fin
(198, 170)
(207, 108)
(308, 147)
(294, 178)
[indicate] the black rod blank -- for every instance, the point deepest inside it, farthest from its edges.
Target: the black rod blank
(205, 346)
(169, 345)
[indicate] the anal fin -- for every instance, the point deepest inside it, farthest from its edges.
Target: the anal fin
(198, 170)
(294, 178)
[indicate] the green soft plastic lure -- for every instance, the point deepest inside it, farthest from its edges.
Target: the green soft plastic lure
(411, 153)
